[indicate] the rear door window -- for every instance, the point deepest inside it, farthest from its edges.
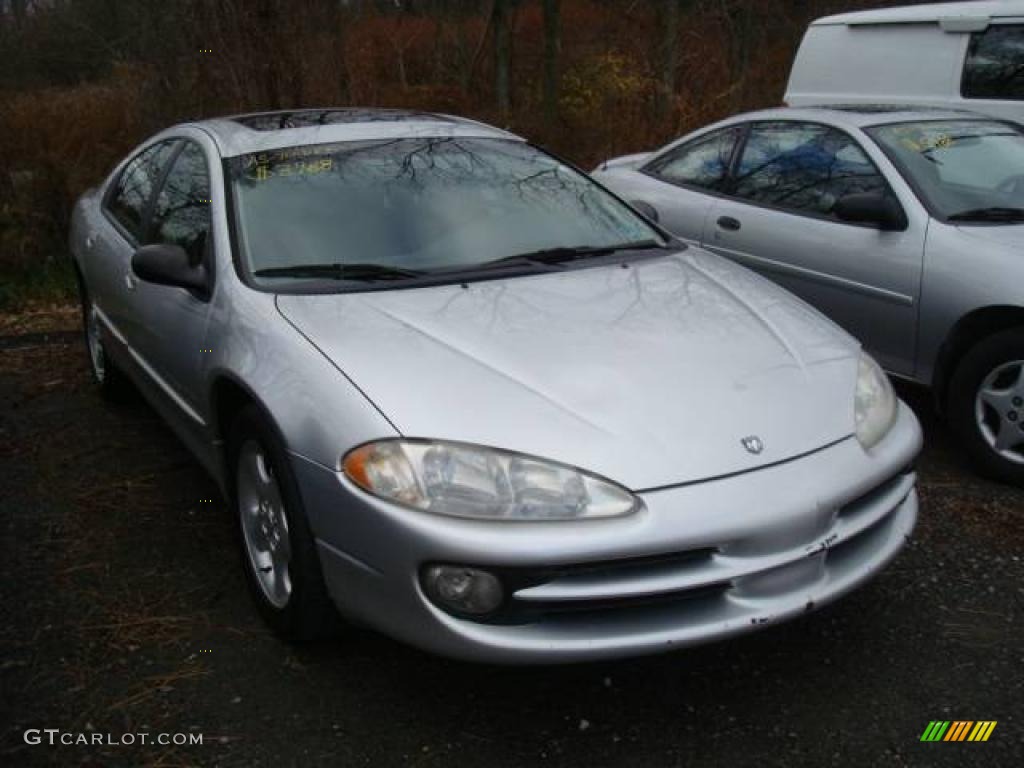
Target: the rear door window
(703, 162)
(994, 67)
(134, 187)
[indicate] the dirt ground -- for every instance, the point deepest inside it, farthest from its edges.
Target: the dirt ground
(125, 611)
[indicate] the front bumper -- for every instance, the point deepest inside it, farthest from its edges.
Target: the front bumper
(699, 562)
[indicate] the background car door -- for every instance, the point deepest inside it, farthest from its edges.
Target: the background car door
(778, 221)
(682, 177)
(173, 321)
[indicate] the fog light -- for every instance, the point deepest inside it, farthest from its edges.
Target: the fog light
(462, 589)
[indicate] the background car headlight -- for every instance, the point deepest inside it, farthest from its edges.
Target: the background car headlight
(874, 402)
(486, 483)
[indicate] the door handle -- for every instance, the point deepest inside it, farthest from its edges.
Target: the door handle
(129, 281)
(729, 223)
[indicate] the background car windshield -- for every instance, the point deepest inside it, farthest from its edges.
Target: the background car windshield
(421, 203)
(959, 165)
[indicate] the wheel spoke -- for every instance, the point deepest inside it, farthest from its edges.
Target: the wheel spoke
(1009, 435)
(264, 479)
(1018, 386)
(284, 549)
(999, 399)
(282, 583)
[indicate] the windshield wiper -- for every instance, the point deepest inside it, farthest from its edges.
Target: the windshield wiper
(358, 271)
(567, 254)
(994, 213)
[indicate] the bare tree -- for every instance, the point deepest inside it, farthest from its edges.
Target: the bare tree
(552, 54)
(668, 17)
(502, 53)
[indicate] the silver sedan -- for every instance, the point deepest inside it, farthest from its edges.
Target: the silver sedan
(904, 225)
(458, 391)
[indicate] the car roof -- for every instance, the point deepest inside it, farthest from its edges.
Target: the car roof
(933, 12)
(265, 131)
(860, 115)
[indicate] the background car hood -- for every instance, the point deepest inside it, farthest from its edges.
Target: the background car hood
(625, 161)
(650, 375)
(1011, 235)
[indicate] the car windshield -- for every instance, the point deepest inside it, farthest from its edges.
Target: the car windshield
(966, 170)
(400, 208)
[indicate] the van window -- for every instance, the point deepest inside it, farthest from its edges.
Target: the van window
(994, 68)
(703, 162)
(804, 167)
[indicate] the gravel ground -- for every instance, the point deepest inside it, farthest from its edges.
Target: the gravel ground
(125, 611)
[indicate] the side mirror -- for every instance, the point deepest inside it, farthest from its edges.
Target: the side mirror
(874, 208)
(166, 264)
(646, 209)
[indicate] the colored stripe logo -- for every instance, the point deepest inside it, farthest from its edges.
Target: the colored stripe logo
(958, 730)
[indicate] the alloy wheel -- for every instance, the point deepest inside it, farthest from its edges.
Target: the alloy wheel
(999, 410)
(264, 524)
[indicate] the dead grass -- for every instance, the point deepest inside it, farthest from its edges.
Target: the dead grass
(40, 316)
(162, 683)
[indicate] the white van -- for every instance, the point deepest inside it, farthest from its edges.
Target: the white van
(967, 55)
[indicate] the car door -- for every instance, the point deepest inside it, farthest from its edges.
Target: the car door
(680, 179)
(107, 262)
(778, 220)
(173, 321)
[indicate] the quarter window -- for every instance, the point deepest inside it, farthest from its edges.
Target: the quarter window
(134, 187)
(701, 163)
(803, 167)
(994, 68)
(181, 214)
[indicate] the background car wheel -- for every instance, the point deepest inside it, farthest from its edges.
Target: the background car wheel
(112, 383)
(986, 405)
(279, 555)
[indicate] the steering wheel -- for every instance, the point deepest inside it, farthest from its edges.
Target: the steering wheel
(1014, 185)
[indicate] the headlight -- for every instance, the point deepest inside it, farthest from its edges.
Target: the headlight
(874, 402)
(485, 483)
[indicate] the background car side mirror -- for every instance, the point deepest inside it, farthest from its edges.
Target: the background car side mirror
(875, 208)
(167, 264)
(646, 209)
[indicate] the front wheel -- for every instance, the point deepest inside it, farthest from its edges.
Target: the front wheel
(278, 551)
(986, 405)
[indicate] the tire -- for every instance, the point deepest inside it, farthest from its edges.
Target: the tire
(986, 405)
(278, 552)
(111, 381)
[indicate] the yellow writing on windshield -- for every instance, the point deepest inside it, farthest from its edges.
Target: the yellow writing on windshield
(264, 171)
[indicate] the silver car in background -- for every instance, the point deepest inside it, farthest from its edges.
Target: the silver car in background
(456, 389)
(904, 225)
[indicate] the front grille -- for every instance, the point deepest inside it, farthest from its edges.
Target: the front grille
(872, 497)
(600, 587)
(693, 585)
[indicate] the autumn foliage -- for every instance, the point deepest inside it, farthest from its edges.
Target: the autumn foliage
(83, 81)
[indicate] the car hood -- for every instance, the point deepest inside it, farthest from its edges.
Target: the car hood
(651, 374)
(1011, 235)
(624, 161)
